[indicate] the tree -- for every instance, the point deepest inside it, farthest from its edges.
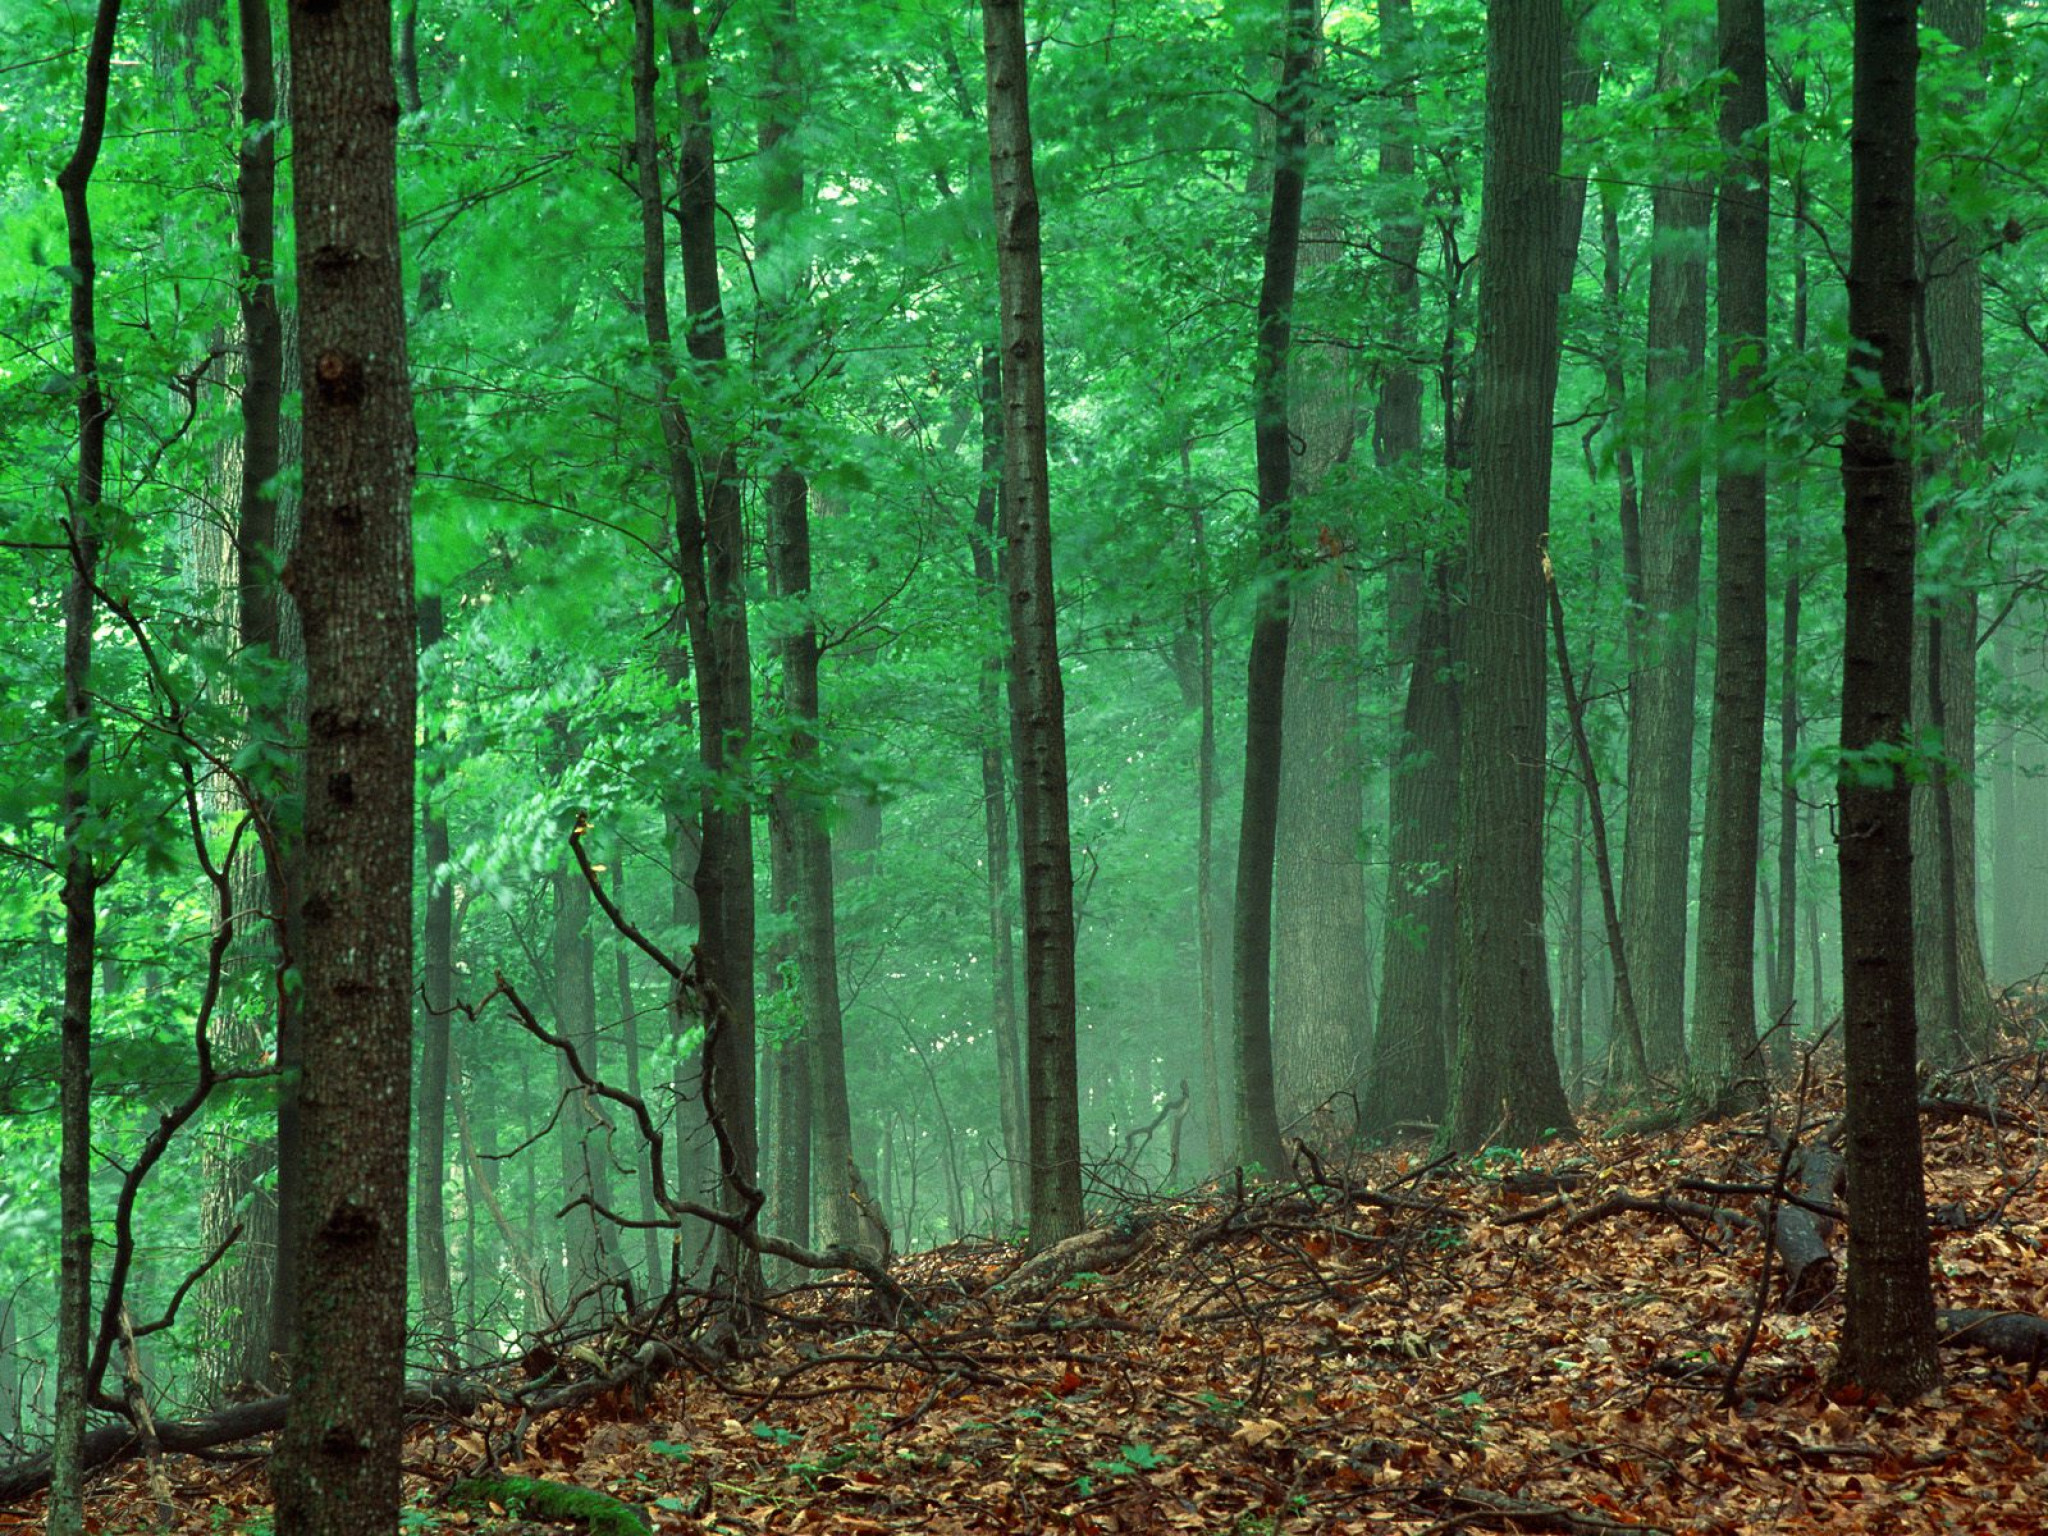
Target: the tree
(1266, 668)
(1411, 1046)
(1954, 1000)
(336, 1468)
(711, 545)
(1657, 847)
(1037, 695)
(81, 879)
(1725, 1073)
(1504, 1083)
(1888, 1340)
(1013, 1109)
(709, 548)
(437, 998)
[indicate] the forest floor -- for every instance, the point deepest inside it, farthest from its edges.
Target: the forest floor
(1384, 1348)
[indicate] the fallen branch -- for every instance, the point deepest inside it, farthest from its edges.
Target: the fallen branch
(2018, 1338)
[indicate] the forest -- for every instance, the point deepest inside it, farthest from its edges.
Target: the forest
(1240, 765)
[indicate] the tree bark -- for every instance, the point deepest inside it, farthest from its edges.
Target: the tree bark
(808, 800)
(711, 538)
(1726, 1071)
(1037, 698)
(1014, 1111)
(437, 935)
(709, 545)
(80, 879)
(1411, 1046)
(336, 1470)
(1888, 1336)
(1266, 670)
(1504, 1085)
(1662, 704)
(1955, 998)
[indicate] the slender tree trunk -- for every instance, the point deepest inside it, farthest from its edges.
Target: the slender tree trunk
(1258, 1124)
(1037, 699)
(786, 1086)
(81, 881)
(1013, 1109)
(1955, 996)
(336, 1469)
(789, 552)
(1603, 864)
(437, 933)
(713, 538)
(1504, 1084)
(1888, 1338)
(1727, 1073)
(629, 1021)
(1663, 706)
(1575, 951)
(1784, 995)
(710, 544)
(583, 1128)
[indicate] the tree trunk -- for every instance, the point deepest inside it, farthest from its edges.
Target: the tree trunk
(713, 539)
(582, 1129)
(789, 554)
(1037, 699)
(1888, 1337)
(1418, 991)
(1504, 1085)
(1411, 1047)
(336, 1468)
(81, 881)
(1954, 999)
(1013, 1109)
(1662, 701)
(1322, 954)
(710, 544)
(1266, 672)
(629, 1019)
(1727, 1073)
(430, 1154)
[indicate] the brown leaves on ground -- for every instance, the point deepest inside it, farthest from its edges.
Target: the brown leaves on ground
(1372, 1353)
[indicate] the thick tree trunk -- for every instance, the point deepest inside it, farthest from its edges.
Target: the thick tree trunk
(1888, 1337)
(1663, 705)
(1505, 1085)
(1727, 1073)
(81, 881)
(1321, 950)
(336, 1468)
(1418, 989)
(1411, 1046)
(1037, 698)
(1252, 924)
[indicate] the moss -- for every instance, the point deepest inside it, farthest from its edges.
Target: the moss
(532, 1498)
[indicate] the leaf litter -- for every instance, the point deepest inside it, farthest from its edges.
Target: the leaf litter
(1512, 1342)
